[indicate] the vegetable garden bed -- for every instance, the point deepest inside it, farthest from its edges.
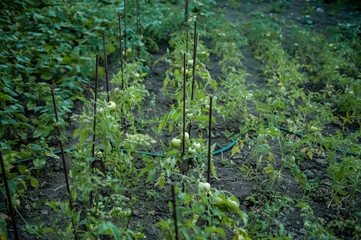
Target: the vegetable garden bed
(180, 120)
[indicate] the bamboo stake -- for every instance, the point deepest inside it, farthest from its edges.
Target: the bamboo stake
(11, 208)
(209, 140)
(106, 67)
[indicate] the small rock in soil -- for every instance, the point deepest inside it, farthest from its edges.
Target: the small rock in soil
(320, 161)
(309, 173)
(44, 212)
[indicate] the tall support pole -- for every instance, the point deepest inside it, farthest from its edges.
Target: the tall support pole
(106, 67)
(11, 208)
(209, 141)
(121, 50)
(186, 23)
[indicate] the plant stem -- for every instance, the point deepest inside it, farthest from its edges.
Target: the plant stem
(106, 67)
(209, 140)
(175, 213)
(13, 219)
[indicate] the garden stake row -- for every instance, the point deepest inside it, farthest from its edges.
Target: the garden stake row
(121, 50)
(209, 140)
(63, 159)
(11, 208)
(106, 67)
(175, 213)
(186, 23)
(195, 45)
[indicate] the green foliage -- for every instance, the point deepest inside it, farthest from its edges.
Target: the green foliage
(194, 210)
(306, 82)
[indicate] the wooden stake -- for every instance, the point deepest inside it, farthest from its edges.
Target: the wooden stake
(63, 159)
(11, 208)
(95, 103)
(121, 50)
(61, 145)
(195, 45)
(138, 24)
(138, 17)
(125, 28)
(186, 23)
(184, 103)
(209, 140)
(106, 67)
(175, 212)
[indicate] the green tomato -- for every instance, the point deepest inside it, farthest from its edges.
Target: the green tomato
(197, 146)
(307, 225)
(204, 187)
(111, 106)
(176, 142)
(204, 54)
(186, 136)
(129, 52)
(314, 129)
(191, 150)
(233, 204)
(219, 201)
